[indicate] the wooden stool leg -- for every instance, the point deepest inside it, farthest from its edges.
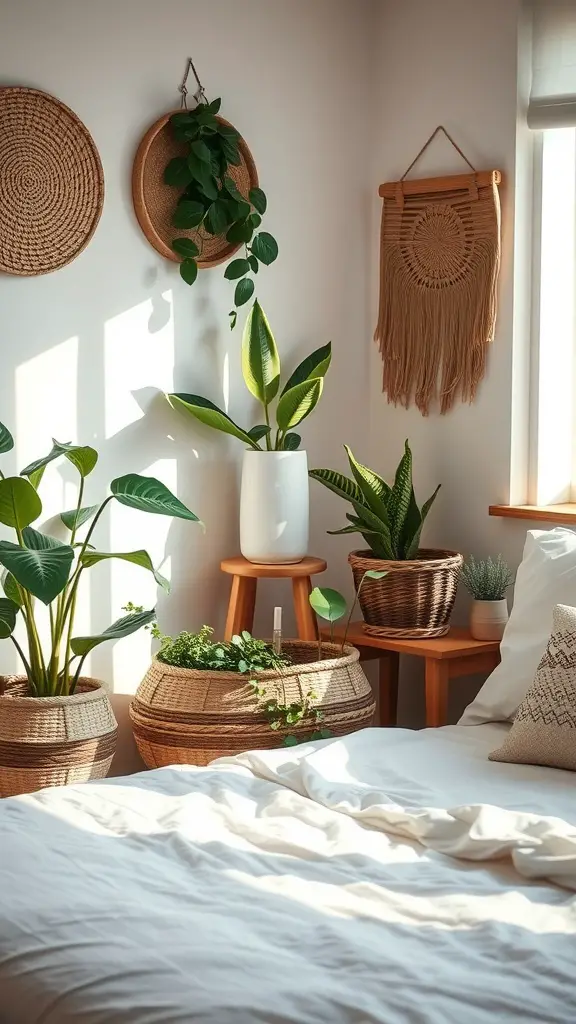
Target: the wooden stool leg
(388, 687)
(305, 618)
(241, 607)
(437, 676)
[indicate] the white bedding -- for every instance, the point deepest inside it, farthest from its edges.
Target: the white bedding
(394, 877)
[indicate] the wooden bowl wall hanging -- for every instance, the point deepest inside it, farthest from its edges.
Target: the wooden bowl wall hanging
(51, 183)
(155, 202)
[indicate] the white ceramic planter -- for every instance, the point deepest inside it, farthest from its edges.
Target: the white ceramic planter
(274, 507)
(488, 619)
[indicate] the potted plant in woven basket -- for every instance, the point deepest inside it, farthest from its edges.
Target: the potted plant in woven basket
(416, 596)
(274, 500)
(201, 699)
(56, 724)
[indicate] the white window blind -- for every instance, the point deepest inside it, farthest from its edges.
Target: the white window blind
(553, 93)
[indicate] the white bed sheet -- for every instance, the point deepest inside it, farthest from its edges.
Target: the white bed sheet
(297, 887)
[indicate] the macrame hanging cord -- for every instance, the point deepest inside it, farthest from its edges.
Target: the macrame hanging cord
(439, 263)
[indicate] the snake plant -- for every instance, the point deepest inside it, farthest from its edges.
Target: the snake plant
(387, 516)
(42, 570)
(261, 371)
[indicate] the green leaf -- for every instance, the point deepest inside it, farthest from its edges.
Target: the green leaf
(181, 120)
(368, 520)
(205, 411)
(411, 527)
(290, 741)
(141, 558)
(188, 214)
(233, 318)
(6, 440)
(200, 149)
(399, 498)
(412, 550)
(338, 483)
(227, 131)
(239, 232)
(189, 271)
(374, 574)
(265, 247)
(236, 269)
(260, 359)
(216, 220)
(258, 199)
(77, 517)
(344, 529)
(258, 432)
(149, 495)
(243, 291)
(207, 182)
(185, 247)
(43, 573)
(8, 613)
(375, 490)
(10, 588)
(82, 457)
(295, 405)
(177, 173)
(233, 190)
(255, 220)
(36, 541)
(35, 477)
(254, 265)
(214, 106)
(291, 442)
(327, 603)
(19, 502)
(315, 365)
(230, 150)
(122, 627)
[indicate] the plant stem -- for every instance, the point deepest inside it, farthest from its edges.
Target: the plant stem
(352, 607)
(267, 416)
(31, 682)
(65, 610)
(37, 663)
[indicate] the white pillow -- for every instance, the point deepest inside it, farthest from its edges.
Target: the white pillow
(546, 577)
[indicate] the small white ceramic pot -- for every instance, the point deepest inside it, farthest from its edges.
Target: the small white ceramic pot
(274, 507)
(488, 619)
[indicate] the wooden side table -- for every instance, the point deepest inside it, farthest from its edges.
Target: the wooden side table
(448, 657)
(245, 576)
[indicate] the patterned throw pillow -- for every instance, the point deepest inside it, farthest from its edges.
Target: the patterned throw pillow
(544, 730)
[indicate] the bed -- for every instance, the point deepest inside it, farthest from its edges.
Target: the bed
(392, 876)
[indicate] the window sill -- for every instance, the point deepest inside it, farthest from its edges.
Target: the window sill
(565, 513)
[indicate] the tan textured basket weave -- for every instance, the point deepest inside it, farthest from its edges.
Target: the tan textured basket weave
(155, 202)
(51, 741)
(51, 183)
(184, 716)
(415, 599)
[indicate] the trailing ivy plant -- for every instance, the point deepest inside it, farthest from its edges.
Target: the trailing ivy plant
(41, 568)
(261, 371)
(210, 200)
(330, 605)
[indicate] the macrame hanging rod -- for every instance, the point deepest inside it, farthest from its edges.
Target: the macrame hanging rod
(440, 128)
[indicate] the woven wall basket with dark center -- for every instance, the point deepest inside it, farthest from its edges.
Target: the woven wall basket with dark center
(155, 202)
(51, 183)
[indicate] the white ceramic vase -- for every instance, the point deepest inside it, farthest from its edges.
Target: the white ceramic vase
(488, 619)
(274, 507)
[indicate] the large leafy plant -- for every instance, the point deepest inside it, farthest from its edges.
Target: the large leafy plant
(38, 567)
(387, 516)
(210, 202)
(261, 372)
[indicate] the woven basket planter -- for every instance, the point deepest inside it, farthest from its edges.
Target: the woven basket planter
(184, 716)
(51, 741)
(415, 599)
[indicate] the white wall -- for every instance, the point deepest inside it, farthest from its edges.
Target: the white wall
(455, 62)
(85, 350)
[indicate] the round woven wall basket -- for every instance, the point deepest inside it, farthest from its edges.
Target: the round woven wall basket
(415, 598)
(185, 716)
(51, 183)
(155, 202)
(52, 741)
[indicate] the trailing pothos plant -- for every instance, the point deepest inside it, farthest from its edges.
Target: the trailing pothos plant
(40, 567)
(386, 516)
(210, 199)
(261, 371)
(330, 605)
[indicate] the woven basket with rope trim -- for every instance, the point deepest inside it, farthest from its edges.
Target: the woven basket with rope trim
(187, 716)
(415, 598)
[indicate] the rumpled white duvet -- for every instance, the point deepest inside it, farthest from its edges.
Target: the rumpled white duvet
(394, 877)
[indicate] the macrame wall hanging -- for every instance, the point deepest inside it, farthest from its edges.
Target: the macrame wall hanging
(440, 256)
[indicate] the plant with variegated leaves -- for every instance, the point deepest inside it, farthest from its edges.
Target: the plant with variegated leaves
(387, 517)
(261, 371)
(39, 567)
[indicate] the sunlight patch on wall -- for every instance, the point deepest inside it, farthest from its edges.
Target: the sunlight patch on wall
(131, 531)
(138, 353)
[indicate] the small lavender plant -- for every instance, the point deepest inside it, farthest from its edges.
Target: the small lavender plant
(487, 579)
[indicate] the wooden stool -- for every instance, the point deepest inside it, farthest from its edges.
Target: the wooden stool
(245, 576)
